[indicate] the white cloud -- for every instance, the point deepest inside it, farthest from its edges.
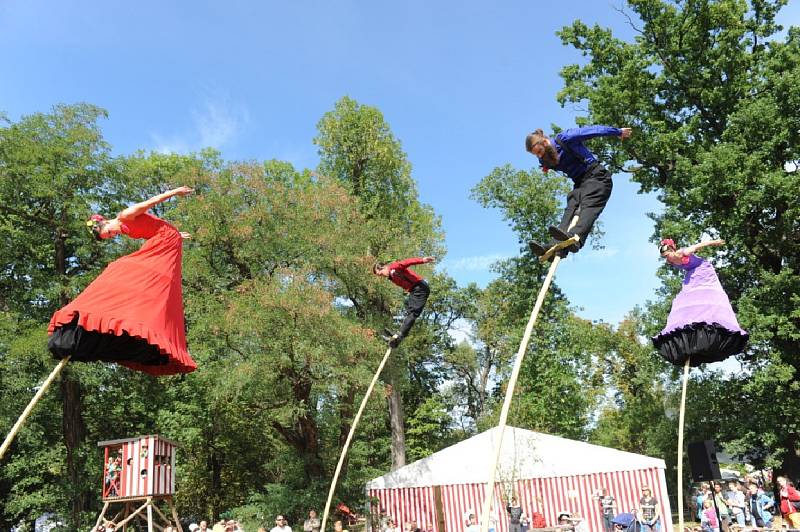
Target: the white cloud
(215, 123)
(475, 263)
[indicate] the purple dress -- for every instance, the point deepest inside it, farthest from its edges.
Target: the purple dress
(701, 324)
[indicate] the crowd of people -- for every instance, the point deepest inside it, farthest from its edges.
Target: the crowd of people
(739, 504)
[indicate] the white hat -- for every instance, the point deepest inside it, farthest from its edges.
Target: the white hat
(194, 527)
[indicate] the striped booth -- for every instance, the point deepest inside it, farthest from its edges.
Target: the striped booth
(547, 475)
(138, 467)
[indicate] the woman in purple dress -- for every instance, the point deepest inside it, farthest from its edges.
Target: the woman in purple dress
(701, 326)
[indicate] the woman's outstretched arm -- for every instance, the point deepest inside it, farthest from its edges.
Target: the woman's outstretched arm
(135, 210)
(694, 248)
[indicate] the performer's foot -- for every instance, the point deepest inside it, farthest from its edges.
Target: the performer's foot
(561, 236)
(537, 249)
(558, 234)
(393, 339)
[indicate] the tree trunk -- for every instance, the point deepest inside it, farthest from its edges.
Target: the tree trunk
(73, 425)
(215, 464)
(397, 421)
(346, 402)
(74, 430)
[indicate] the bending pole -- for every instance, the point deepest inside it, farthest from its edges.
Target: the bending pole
(680, 444)
(350, 437)
(512, 382)
(29, 408)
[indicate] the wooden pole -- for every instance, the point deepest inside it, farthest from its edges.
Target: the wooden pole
(350, 437)
(29, 408)
(175, 514)
(512, 382)
(681, 417)
(149, 514)
(100, 517)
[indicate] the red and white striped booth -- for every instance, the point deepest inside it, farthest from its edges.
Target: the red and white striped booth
(547, 474)
(138, 467)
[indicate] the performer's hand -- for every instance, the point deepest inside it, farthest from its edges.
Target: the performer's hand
(183, 191)
(185, 235)
(626, 132)
(429, 259)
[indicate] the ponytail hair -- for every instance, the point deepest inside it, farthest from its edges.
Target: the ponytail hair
(533, 139)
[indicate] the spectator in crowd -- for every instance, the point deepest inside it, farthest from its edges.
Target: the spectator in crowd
(262, 529)
(219, 526)
(337, 527)
(759, 505)
(708, 520)
(203, 526)
(703, 493)
(790, 502)
(472, 524)
(648, 512)
(514, 514)
(390, 526)
(607, 508)
(524, 522)
(736, 503)
(311, 524)
(169, 528)
(281, 525)
(722, 508)
(564, 522)
(579, 523)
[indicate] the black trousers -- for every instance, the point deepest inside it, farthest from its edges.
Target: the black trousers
(415, 302)
(590, 195)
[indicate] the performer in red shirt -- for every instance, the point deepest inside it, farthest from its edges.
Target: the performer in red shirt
(418, 290)
(132, 313)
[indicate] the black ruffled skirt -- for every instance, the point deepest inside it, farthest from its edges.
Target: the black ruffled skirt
(92, 346)
(701, 343)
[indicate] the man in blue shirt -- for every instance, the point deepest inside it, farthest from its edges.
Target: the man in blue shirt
(566, 153)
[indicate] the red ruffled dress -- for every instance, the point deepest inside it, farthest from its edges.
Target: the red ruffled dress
(132, 314)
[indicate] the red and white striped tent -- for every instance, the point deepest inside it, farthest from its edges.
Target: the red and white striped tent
(546, 473)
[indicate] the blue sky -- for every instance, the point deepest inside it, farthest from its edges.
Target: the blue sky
(460, 83)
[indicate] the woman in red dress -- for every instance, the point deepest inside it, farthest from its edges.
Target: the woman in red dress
(132, 313)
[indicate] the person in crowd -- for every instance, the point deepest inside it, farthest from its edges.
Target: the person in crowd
(579, 523)
(311, 524)
(390, 526)
(703, 493)
(564, 522)
(281, 525)
(203, 526)
(649, 511)
(400, 273)
(514, 514)
(472, 524)
(736, 503)
(789, 502)
(608, 508)
(708, 520)
(760, 506)
(722, 508)
(524, 522)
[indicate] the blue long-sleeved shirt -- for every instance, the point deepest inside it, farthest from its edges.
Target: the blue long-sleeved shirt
(573, 167)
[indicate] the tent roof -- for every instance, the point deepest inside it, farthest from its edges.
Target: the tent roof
(524, 454)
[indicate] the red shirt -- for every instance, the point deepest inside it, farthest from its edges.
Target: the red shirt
(791, 495)
(402, 276)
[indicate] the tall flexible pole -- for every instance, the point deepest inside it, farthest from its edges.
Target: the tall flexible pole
(29, 408)
(350, 437)
(681, 417)
(512, 382)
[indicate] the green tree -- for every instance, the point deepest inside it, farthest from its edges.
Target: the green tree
(709, 86)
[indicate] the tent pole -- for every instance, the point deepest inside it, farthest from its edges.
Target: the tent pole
(512, 382)
(350, 437)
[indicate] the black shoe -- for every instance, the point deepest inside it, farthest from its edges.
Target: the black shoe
(537, 248)
(558, 234)
(393, 339)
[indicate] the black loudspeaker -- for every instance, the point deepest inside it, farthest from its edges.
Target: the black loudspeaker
(703, 461)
